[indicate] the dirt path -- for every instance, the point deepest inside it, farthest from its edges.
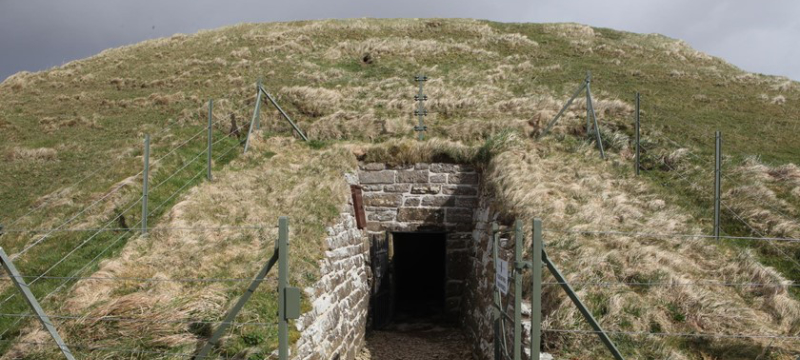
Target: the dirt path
(416, 342)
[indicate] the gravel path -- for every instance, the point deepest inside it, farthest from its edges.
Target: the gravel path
(416, 342)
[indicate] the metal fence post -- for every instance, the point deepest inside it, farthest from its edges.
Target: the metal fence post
(563, 109)
(231, 316)
(283, 275)
(420, 112)
(285, 116)
(145, 180)
(210, 136)
(717, 182)
(588, 103)
(498, 355)
(258, 118)
(33, 303)
(581, 307)
(519, 265)
(256, 112)
(638, 128)
(536, 290)
(594, 117)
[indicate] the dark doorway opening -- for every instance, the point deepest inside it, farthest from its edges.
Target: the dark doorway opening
(419, 276)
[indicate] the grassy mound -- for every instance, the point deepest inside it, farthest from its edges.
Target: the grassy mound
(349, 84)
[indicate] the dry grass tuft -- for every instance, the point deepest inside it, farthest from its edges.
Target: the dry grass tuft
(166, 99)
(755, 198)
(400, 152)
(32, 155)
(18, 81)
(530, 181)
(51, 124)
(306, 185)
(351, 125)
(406, 48)
(571, 30)
(312, 101)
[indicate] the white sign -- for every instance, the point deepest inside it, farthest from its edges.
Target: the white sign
(501, 276)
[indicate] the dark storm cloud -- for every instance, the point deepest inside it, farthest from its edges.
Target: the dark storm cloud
(758, 36)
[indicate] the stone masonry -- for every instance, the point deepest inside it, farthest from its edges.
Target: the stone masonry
(437, 197)
(334, 328)
(420, 197)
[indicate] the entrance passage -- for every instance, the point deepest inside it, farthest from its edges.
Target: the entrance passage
(419, 273)
(417, 327)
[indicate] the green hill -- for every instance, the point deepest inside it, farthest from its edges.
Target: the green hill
(350, 85)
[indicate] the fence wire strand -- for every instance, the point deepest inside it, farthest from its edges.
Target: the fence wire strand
(132, 351)
(676, 334)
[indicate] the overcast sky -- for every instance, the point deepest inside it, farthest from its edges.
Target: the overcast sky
(758, 36)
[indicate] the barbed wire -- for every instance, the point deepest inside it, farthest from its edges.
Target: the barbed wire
(92, 174)
(723, 174)
(189, 182)
(44, 237)
(63, 258)
(156, 228)
(743, 221)
(118, 349)
(201, 132)
(95, 172)
(95, 234)
(135, 320)
(118, 239)
(64, 282)
(135, 279)
(227, 152)
(674, 334)
(185, 165)
(675, 284)
(40, 240)
(669, 235)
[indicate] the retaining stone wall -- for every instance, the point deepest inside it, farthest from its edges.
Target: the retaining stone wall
(478, 314)
(340, 299)
(478, 289)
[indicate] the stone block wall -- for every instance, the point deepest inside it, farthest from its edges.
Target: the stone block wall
(478, 296)
(478, 289)
(424, 197)
(419, 197)
(336, 324)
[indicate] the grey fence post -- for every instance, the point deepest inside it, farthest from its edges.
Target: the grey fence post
(536, 290)
(588, 103)
(498, 355)
(717, 182)
(285, 116)
(33, 303)
(258, 118)
(638, 129)
(283, 275)
(234, 311)
(210, 136)
(145, 181)
(519, 265)
(563, 109)
(581, 307)
(256, 112)
(594, 117)
(421, 112)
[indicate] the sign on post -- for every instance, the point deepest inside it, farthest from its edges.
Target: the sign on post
(501, 276)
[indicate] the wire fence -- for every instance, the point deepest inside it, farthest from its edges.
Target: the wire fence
(124, 350)
(52, 272)
(741, 219)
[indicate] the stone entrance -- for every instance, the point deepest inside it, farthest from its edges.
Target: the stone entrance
(426, 198)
